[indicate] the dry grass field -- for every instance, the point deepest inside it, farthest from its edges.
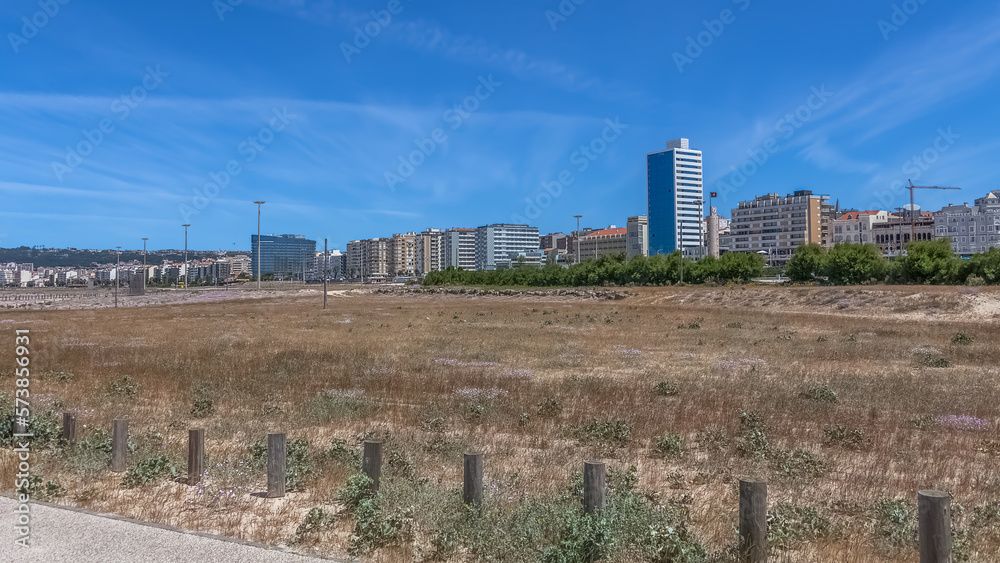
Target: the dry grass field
(846, 400)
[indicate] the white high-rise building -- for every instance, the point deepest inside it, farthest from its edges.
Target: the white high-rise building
(675, 199)
(498, 240)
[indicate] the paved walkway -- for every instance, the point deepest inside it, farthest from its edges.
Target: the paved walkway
(73, 535)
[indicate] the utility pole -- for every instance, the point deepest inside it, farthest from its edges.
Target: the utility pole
(145, 273)
(681, 224)
(259, 203)
(576, 237)
(118, 268)
(326, 261)
(186, 276)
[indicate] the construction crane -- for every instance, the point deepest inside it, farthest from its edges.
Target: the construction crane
(913, 223)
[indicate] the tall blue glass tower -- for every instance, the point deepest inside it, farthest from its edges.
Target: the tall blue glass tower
(675, 199)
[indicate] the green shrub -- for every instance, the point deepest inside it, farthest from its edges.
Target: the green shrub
(203, 404)
(788, 526)
(796, 464)
(808, 261)
(669, 445)
(335, 404)
(148, 471)
(961, 339)
(821, 394)
(357, 489)
(932, 361)
(894, 522)
(847, 439)
(317, 520)
(125, 387)
(44, 427)
(339, 452)
(37, 489)
(607, 432)
(753, 436)
(666, 389)
(550, 407)
(851, 264)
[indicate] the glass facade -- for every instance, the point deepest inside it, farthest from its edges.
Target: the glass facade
(283, 256)
(660, 199)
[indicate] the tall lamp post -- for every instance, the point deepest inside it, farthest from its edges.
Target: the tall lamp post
(186, 276)
(145, 273)
(701, 224)
(576, 237)
(259, 203)
(118, 267)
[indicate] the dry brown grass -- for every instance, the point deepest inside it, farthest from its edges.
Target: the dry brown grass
(410, 355)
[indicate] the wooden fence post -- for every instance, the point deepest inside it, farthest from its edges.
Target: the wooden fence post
(119, 445)
(275, 465)
(593, 486)
(69, 428)
(196, 455)
(472, 486)
(372, 463)
(753, 521)
(934, 524)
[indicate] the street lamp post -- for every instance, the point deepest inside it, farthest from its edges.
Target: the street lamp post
(576, 237)
(259, 203)
(118, 267)
(186, 276)
(145, 273)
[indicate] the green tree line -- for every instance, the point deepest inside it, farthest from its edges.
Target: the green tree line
(613, 270)
(925, 262)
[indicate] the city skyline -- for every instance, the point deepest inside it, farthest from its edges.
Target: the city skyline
(554, 124)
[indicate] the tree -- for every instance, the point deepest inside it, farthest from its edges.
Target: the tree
(926, 262)
(849, 264)
(806, 263)
(985, 266)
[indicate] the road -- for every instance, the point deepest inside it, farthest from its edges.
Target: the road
(71, 535)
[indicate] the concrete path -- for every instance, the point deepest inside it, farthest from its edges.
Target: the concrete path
(73, 535)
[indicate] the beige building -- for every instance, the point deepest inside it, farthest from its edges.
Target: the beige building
(637, 230)
(595, 244)
(855, 227)
(430, 251)
(776, 226)
(370, 260)
(403, 254)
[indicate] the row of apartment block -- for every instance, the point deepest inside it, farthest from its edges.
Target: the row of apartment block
(411, 254)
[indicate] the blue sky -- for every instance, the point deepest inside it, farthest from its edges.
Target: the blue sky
(118, 120)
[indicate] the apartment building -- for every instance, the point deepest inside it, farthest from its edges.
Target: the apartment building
(500, 239)
(637, 230)
(855, 227)
(430, 251)
(612, 240)
(370, 260)
(675, 198)
(777, 226)
(971, 229)
(460, 249)
(892, 236)
(403, 254)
